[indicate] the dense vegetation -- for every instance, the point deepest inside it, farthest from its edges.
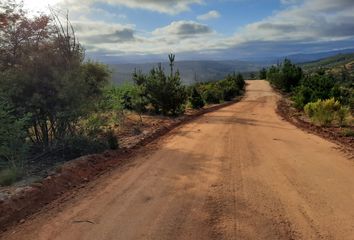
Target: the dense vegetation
(285, 76)
(46, 90)
(55, 105)
(222, 90)
(327, 98)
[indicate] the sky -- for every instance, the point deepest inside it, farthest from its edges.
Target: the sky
(147, 30)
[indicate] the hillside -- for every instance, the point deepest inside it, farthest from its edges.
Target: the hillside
(341, 66)
(314, 57)
(336, 61)
(191, 71)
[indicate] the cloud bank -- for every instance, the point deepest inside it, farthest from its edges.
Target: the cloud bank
(301, 26)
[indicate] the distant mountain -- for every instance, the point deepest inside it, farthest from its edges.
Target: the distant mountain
(309, 57)
(297, 58)
(338, 60)
(206, 70)
(191, 71)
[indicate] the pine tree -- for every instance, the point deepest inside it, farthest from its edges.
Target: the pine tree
(196, 99)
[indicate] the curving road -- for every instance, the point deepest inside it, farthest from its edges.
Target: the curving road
(240, 172)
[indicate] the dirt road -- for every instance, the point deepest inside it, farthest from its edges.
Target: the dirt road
(237, 173)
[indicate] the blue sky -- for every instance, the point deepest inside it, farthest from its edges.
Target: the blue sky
(129, 30)
(233, 14)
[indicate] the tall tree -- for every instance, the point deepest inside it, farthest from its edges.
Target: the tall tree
(43, 73)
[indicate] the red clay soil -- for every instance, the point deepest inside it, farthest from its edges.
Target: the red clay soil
(22, 202)
(333, 134)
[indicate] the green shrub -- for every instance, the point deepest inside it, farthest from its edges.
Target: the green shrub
(212, 94)
(315, 86)
(302, 95)
(324, 112)
(46, 78)
(9, 175)
(240, 81)
(345, 94)
(165, 93)
(222, 90)
(94, 125)
(196, 99)
(229, 89)
(76, 146)
(285, 76)
(112, 140)
(347, 132)
(342, 115)
(13, 145)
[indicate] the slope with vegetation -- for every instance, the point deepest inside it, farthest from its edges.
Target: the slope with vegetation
(340, 66)
(319, 94)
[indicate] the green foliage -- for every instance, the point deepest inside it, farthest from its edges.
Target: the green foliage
(112, 98)
(54, 102)
(13, 146)
(342, 115)
(112, 140)
(43, 75)
(78, 145)
(165, 93)
(315, 86)
(9, 176)
(344, 94)
(95, 76)
(336, 61)
(222, 90)
(285, 76)
(347, 132)
(139, 78)
(229, 89)
(93, 125)
(301, 96)
(240, 81)
(324, 112)
(49, 95)
(312, 88)
(212, 93)
(196, 99)
(135, 99)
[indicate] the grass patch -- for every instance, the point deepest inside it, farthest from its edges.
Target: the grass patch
(347, 132)
(9, 175)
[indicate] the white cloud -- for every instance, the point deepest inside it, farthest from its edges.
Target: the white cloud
(95, 35)
(301, 22)
(210, 15)
(183, 29)
(314, 20)
(311, 22)
(171, 7)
